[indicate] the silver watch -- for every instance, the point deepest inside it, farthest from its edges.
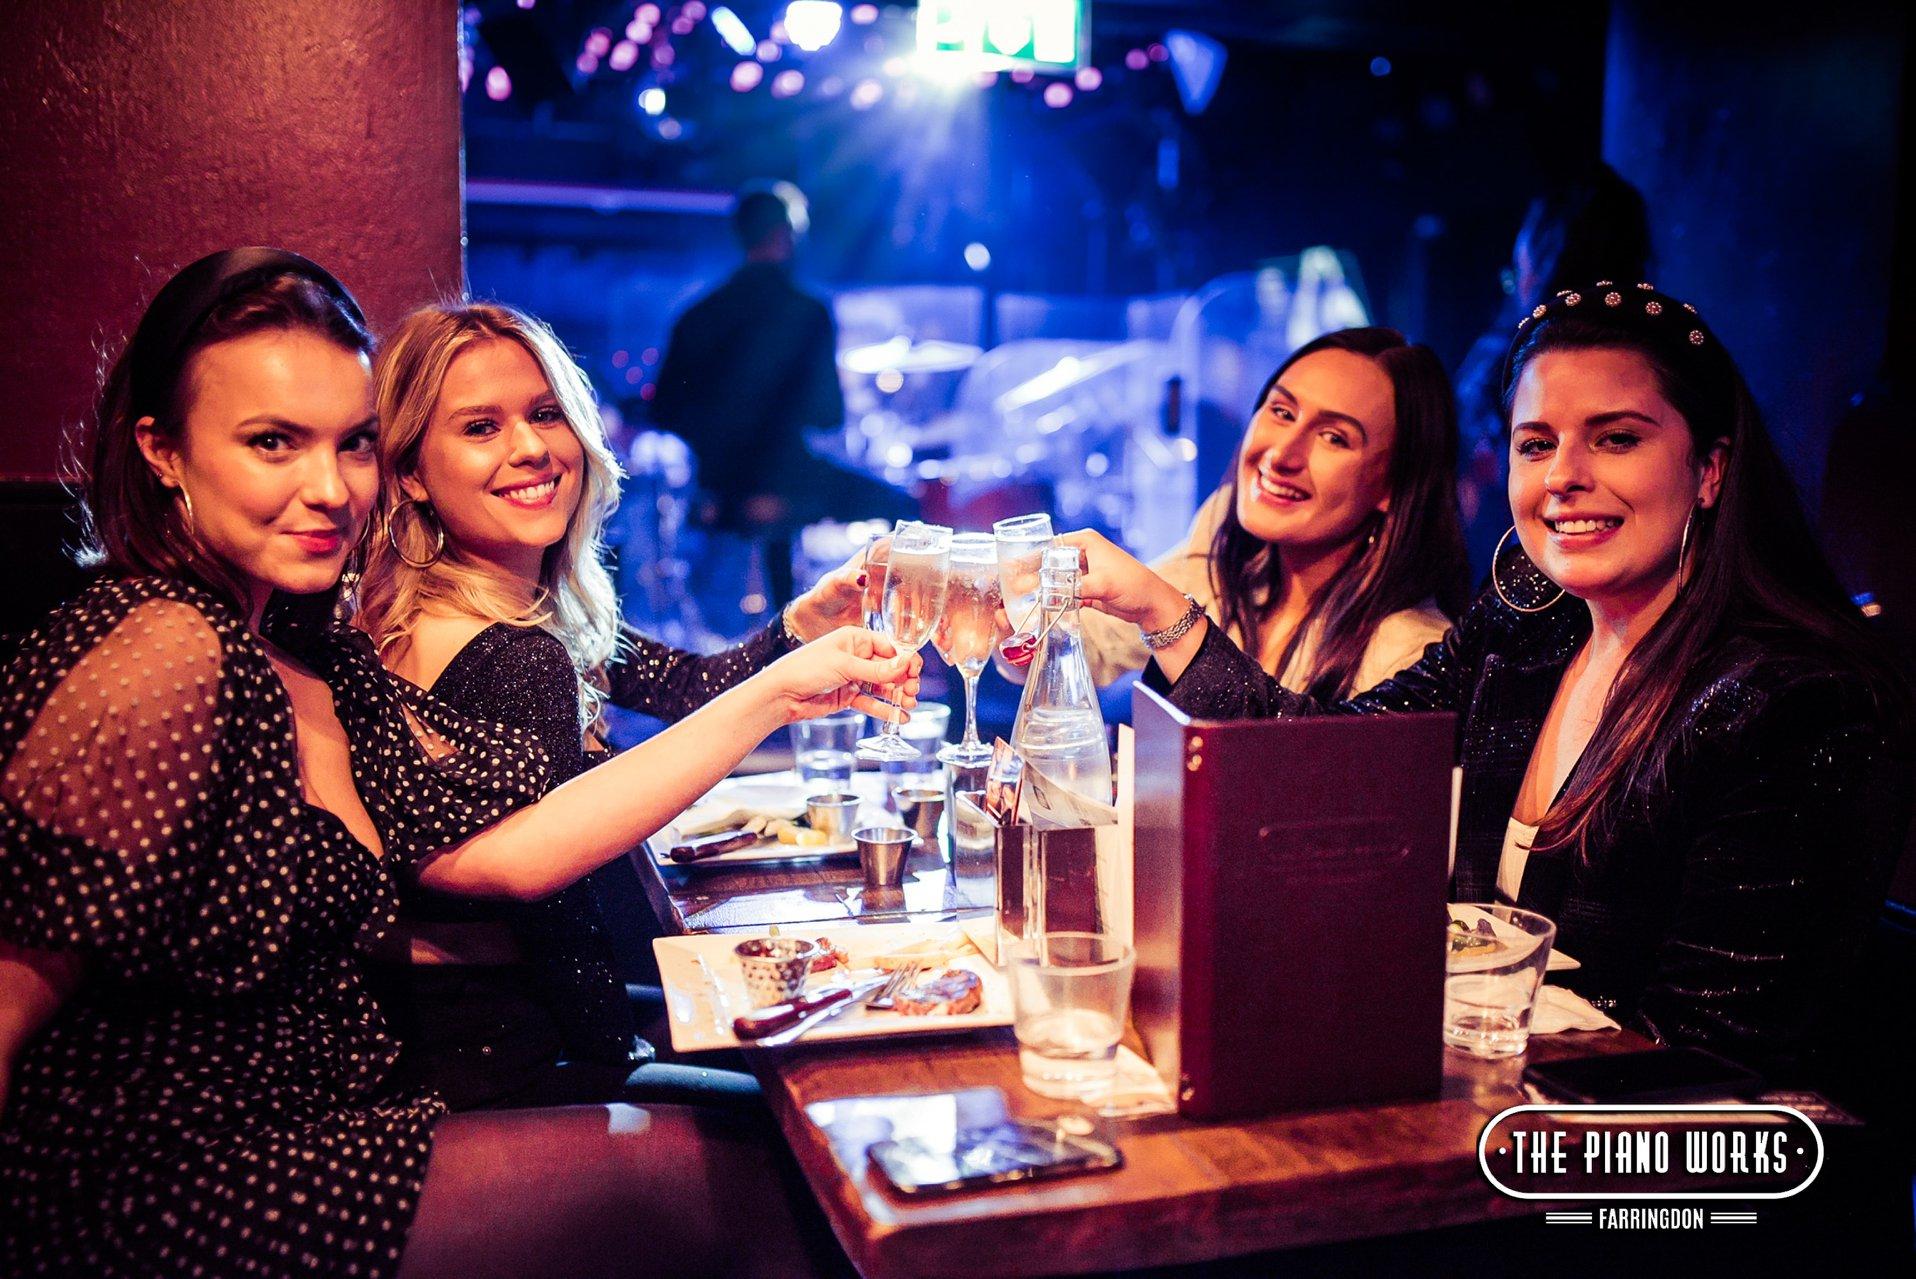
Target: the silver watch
(1175, 631)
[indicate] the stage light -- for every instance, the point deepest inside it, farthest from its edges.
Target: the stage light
(652, 101)
(866, 93)
(977, 256)
(670, 129)
(1380, 67)
(746, 76)
(767, 51)
(648, 14)
(1057, 94)
(599, 43)
(889, 381)
(1137, 59)
(624, 54)
(787, 83)
(638, 32)
(1089, 78)
(813, 24)
(664, 56)
(498, 84)
(586, 63)
(733, 31)
(527, 4)
(694, 9)
(863, 15)
(1197, 64)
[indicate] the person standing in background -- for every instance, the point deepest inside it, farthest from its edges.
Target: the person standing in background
(749, 368)
(1593, 228)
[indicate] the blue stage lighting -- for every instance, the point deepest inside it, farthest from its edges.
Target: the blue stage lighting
(733, 31)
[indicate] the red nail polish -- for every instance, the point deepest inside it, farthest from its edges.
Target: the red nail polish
(861, 581)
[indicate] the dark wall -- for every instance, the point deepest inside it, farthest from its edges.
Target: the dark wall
(1767, 148)
(135, 137)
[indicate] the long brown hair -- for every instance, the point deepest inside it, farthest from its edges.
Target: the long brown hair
(133, 524)
(1756, 588)
(1410, 554)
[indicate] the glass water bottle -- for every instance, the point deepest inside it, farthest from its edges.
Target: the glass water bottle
(1059, 730)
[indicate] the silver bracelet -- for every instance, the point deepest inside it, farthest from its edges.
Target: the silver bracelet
(1175, 631)
(792, 639)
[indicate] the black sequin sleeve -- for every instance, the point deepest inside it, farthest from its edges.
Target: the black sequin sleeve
(1789, 814)
(1224, 682)
(671, 683)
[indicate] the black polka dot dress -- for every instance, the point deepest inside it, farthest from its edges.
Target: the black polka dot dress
(211, 1098)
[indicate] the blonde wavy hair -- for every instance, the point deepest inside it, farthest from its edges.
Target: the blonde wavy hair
(574, 600)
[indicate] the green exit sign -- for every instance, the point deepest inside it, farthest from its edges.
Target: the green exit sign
(1045, 35)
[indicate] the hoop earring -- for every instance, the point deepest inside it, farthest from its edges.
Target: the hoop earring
(392, 535)
(192, 524)
(1683, 550)
(1498, 586)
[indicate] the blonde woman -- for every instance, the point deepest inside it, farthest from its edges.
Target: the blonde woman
(484, 585)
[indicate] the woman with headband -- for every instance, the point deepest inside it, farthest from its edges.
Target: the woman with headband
(1679, 741)
(192, 1079)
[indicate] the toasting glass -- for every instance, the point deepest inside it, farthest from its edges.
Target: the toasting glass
(1022, 542)
(967, 631)
(917, 577)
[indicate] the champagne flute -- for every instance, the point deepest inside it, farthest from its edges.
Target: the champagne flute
(917, 577)
(967, 631)
(1022, 542)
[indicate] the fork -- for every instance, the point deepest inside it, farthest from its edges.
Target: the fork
(900, 979)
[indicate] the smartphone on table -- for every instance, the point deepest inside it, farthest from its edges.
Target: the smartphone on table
(1657, 1075)
(1003, 1153)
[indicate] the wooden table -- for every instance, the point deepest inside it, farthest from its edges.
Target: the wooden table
(1188, 1191)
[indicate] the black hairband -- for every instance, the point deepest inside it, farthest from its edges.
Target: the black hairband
(195, 292)
(1670, 326)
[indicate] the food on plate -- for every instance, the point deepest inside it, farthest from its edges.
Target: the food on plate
(950, 993)
(793, 833)
(928, 953)
(1477, 942)
(829, 956)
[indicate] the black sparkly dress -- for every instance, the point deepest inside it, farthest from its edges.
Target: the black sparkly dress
(1731, 897)
(556, 1028)
(213, 1098)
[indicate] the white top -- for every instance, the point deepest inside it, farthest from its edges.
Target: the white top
(1516, 855)
(1114, 647)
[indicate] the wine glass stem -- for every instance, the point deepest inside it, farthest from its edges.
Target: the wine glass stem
(971, 707)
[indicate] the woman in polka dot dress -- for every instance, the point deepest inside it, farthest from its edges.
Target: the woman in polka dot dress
(192, 1080)
(483, 584)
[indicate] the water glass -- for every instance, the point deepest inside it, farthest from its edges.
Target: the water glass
(1493, 967)
(825, 747)
(1071, 993)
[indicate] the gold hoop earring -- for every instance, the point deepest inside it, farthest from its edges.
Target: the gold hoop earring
(392, 535)
(192, 524)
(1498, 586)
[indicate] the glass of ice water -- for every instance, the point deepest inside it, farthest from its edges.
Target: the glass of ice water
(1070, 995)
(826, 747)
(1493, 967)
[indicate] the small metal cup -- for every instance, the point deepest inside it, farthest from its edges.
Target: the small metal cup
(882, 852)
(775, 967)
(920, 807)
(835, 814)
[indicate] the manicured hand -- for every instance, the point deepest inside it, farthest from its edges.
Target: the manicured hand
(837, 600)
(828, 675)
(1117, 583)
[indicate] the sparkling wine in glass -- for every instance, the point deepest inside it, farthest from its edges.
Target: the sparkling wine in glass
(1022, 542)
(917, 577)
(967, 631)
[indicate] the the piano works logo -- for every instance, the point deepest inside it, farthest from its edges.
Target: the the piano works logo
(1625, 1158)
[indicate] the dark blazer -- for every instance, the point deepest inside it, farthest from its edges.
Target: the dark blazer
(1730, 903)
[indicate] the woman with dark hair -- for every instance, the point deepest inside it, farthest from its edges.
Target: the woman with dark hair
(1331, 551)
(1679, 740)
(1595, 227)
(192, 1078)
